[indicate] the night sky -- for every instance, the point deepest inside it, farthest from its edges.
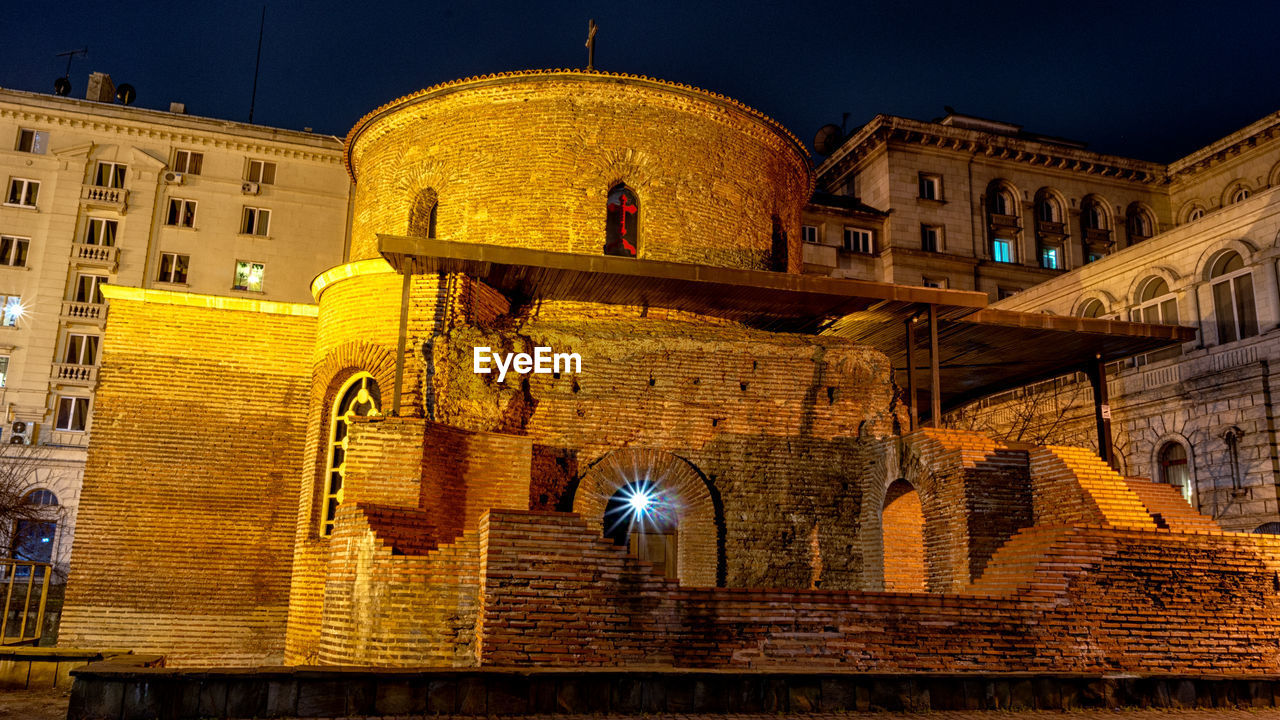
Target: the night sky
(1148, 80)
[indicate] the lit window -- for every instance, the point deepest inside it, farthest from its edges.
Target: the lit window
(809, 233)
(23, 192)
(109, 175)
(859, 240)
(1174, 469)
(931, 238)
(13, 309)
(359, 397)
(930, 186)
(1233, 303)
(255, 221)
(1156, 304)
(622, 222)
(101, 231)
(81, 349)
(173, 268)
(73, 414)
(182, 213)
(262, 172)
(249, 276)
(33, 141)
(89, 288)
(1002, 250)
(1051, 258)
(13, 250)
(187, 162)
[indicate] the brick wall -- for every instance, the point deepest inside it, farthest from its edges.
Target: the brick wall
(184, 537)
(1104, 600)
(406, 602)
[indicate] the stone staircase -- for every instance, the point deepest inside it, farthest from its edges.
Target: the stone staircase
(1168, 508)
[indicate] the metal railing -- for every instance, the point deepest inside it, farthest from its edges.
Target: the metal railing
(19, 584)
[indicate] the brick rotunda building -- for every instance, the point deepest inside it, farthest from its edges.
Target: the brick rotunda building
(730, 479)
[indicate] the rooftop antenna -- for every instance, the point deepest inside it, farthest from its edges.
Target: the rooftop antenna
(62, 85)
(253, 100)
(591, 44)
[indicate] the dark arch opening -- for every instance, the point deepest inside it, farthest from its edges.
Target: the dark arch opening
(778, 253)
(422, 216)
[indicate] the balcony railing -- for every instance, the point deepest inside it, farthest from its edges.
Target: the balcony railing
(1047, 227)
(72, 374)
(1097, 236)
(84, 312)
(104, 197)
(1004, 221)
(24, 587)
(107, 255)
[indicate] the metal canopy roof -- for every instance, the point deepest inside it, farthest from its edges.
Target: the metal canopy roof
(983, 350)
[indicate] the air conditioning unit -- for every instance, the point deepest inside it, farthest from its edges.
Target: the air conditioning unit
(174, 178)
(22, 432)
(250, 188)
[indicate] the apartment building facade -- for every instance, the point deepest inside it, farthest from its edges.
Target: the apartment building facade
(1044, 225)
(97, 192)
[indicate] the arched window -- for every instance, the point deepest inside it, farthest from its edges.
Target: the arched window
(1233, 305)
(1002, 202)
(43, 498)
(778, 251)
(1156, 304)
(358, 397)
(641, 517)
(622, 225)
(1240, 193)
(422, 216)
(1141, 226)
(1047, 210)
(1194, 212)
(1174, 469)
(1093, 309)
(1097, 229)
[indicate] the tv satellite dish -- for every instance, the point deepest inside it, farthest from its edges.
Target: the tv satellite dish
(828, 139)
(126, 94)
(62, 86)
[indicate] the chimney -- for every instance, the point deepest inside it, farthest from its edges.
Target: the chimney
(177, 107)
(100, 88)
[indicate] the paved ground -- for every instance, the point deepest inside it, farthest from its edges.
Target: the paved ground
(52, 705)
(33, 705)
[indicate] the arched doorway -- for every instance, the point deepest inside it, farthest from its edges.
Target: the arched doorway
(661, 508)
(643, 518)
(1174, 469)
(902, 525)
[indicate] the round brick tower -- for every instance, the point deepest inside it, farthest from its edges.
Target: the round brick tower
(563, 162)
(528, 159)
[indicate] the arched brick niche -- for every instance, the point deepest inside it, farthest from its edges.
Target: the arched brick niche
(902, 525)
(680, 488)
